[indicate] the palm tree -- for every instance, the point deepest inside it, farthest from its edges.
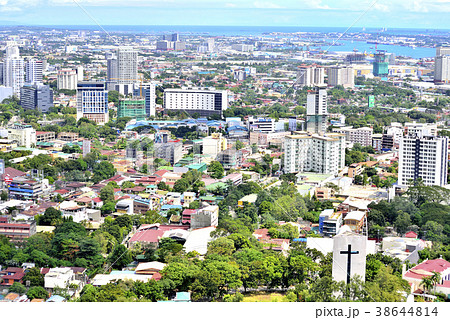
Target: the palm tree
(435, 279)
(427, 283)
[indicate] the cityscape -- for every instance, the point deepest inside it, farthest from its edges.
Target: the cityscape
(224, 164)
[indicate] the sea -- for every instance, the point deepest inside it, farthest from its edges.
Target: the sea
(252, 31)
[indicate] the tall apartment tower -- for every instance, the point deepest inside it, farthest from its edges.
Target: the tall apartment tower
(341, 76)
(305, 152)
(13, 72)
(33, 71)
(127, 65)
(310, 76)
(92, 101)
(424, 157)
(68, 78)
(316, 111)
(442, 65)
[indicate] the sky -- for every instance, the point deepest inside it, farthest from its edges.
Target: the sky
(429, 14)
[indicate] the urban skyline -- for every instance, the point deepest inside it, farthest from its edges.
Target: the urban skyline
(381, 13)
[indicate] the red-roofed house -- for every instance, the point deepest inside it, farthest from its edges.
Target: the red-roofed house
(11, 275)
(12, 173)
(186, 216)
(425, 269)
(147, 238)
(97, 202)
(411, 234)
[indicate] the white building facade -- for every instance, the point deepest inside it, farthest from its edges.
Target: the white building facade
(425, 158)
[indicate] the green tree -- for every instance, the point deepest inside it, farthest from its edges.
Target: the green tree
(216, 170)
(221, 246)
(34, 276)
(18, 288)
(120, 257)
(51, 217)
(37, 293)
(402, 222)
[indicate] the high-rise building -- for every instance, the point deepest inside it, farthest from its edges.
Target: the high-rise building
(13, 72)
(316, 110)
(381, 64)
(210, 45)
(68, 78)
(111, 71)
(305, 152)
(92, 101)
(127, 65)
(310, 76)
(201, 101)
(36, 97)
(420, 129)
(33, 71)
(341, 76)
(442, 51)
(442, 69)
(425, 158)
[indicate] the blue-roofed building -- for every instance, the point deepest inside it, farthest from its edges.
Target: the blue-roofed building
(166, 207)
(182, 297)
(56, 298)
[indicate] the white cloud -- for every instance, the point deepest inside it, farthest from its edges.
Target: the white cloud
(266, 5)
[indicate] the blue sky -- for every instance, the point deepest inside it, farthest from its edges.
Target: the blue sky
(327, 13)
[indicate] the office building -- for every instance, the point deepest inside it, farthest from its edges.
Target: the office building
(242, 47)
(33, 71)
(68, 78)
(424, 157)
(442, 65)
(13, 69)
(316, 111)
(305, 152)
(310, 76)
(111, 71)
(92, 101)
(127, 65)
(148, 92)
(204, 102)
(341, 76)
(265, 125)
(23, 134)
(442, 69)
(36, 97)
(381, 64)
(164, 45)
(132, 108)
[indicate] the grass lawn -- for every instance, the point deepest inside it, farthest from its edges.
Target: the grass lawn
(263, 297)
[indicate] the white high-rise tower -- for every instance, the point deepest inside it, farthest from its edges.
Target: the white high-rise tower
(13, 72)
(127, 65)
